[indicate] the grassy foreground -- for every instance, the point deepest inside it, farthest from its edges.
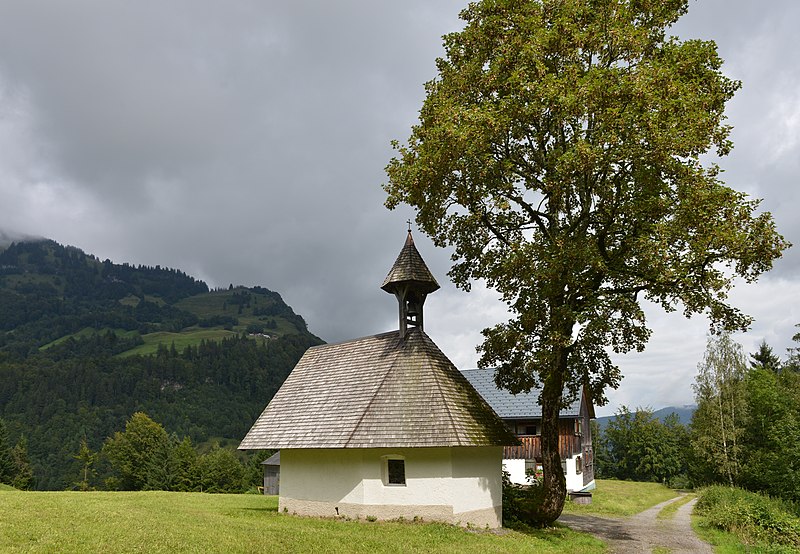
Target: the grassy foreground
(196, 522)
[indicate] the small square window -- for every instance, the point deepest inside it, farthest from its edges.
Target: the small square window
(396, 472)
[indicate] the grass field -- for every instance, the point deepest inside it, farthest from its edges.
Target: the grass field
(181, 340)
(621, 498)
(195, 522)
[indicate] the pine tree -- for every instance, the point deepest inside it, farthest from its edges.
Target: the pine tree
(88, 459)
(7, 467)
(764, 358)
(23, 474)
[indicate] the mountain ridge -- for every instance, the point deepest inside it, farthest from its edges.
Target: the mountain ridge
(86, 343)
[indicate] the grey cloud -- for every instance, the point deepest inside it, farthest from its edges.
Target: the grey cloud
(245, 143)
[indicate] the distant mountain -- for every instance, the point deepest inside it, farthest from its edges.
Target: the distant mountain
(86, 343)
(684, 415)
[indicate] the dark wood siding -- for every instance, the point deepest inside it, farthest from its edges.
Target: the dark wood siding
(569, 443)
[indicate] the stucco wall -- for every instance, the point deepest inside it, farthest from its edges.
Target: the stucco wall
(456, 485)
(516, 472)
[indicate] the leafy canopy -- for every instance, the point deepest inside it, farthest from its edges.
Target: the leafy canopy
(559, 151)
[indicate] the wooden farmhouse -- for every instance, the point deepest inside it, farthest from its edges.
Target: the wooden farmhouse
(385, 426)
(522, 413)
(272, 473)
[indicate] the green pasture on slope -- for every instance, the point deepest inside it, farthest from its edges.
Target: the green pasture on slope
(180, 340)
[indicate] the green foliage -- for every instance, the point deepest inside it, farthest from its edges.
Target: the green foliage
(88, 459)
(144, 457)
(15, 468)
(756, 519)
(215, 389)
(770, 464)
(7, 467)
(138, 452)
(23, 474)
(521, 504)
(187, 471)
(637, 446)
(744, 421)
(72, 329)
(764, 358)
(221, 471)
(719, 421)
(559, 152)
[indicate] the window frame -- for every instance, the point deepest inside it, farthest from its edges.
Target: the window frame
(387, 472)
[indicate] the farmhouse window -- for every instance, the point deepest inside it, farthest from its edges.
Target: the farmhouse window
(578, 465)
(578, 427)
(527, 429)
(394, 471)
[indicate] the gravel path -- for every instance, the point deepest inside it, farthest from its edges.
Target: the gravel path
(643, 532)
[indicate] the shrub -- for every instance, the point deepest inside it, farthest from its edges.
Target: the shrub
(521, 504)
(753, 517)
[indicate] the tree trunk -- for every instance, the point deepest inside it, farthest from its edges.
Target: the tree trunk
(553, 482)
(548, 501)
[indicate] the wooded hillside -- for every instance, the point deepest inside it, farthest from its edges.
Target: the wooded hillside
(84, 344)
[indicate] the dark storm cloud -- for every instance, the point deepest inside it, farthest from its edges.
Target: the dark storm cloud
(244, 142)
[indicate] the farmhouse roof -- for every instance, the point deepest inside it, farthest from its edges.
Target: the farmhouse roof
(410, 268)
(524, 405)
(274, 460)
(377, 391)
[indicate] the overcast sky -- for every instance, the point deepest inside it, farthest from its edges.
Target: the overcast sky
(245, 142)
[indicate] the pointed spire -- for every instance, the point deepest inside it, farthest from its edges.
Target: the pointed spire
(410, 281)
(410, 268)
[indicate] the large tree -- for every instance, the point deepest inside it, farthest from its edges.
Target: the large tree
(559, 153)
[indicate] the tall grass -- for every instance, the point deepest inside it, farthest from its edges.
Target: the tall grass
(770, 524)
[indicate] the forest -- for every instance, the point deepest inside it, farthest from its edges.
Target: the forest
(85, 345)
(747, 416)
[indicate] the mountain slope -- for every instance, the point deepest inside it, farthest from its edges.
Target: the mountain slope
(84, 344)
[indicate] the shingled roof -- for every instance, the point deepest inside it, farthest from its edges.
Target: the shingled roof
(410, 268)
(524, 405)
(374, 392)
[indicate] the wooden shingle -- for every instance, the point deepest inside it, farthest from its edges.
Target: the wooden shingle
(410, 268)
(375, 392)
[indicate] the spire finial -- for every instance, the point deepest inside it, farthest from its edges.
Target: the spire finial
(409, 225)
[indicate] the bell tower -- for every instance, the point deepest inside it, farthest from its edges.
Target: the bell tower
(410, 281)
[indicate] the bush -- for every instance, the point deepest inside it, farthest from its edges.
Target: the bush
(753, 517)
(521, 504)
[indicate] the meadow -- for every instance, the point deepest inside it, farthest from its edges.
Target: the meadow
(196, 522)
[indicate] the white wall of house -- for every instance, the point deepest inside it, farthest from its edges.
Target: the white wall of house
(455, 485)
(516, 472)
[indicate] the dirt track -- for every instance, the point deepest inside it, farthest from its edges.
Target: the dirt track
(643, 532)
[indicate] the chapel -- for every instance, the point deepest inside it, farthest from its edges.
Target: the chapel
(385, 426)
